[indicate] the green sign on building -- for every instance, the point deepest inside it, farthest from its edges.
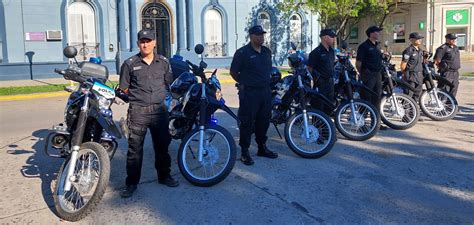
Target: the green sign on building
(457, 17)
(354, 33)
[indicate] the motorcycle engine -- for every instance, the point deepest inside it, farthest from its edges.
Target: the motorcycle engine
(178, 127)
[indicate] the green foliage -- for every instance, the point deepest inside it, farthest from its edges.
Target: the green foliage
(342, 14)
(30, 89)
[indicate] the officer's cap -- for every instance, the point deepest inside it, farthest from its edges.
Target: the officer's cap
(416, 35)
(328, 32)
(450, 36)
(372, 29)
(256, 30)
(146, 34)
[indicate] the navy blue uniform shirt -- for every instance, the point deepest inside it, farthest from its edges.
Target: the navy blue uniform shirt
(147, 84)
(413, 58)
(322, 60)
(449, 55)
(370, 55)
(253, 69)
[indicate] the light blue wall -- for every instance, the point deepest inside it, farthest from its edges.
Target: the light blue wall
(20, 16)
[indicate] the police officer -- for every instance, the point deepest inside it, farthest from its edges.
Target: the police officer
(448, 60)
(146, 77)
(251, 68)
(412, 65)
(321, 65)
(369, 65)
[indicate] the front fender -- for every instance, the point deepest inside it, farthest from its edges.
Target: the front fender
(107, 123)
(223, 107)
(359, 85)
(443, 80)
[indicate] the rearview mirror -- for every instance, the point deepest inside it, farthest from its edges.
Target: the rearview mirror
(70, 51)
(199, 49)
(386, 44)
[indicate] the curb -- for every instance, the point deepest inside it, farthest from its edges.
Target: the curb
(61, 94)
(34, 96)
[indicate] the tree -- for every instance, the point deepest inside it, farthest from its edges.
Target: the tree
(341, 15)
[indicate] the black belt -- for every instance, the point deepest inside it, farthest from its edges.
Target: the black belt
(146, 109)
(242, 87)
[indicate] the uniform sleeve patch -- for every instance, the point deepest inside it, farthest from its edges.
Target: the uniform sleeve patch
(406, 56)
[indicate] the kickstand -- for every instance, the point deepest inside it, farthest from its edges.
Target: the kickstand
(278, 131)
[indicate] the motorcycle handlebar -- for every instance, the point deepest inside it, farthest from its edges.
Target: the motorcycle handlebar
(197, 70)
(62, 72)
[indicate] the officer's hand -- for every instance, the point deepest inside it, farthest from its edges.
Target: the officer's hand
(119, 101)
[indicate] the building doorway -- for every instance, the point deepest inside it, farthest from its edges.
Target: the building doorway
(155, 17)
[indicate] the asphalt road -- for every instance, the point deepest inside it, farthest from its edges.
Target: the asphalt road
(423, 175)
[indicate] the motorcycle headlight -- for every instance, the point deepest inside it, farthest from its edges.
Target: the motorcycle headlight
(104, 103)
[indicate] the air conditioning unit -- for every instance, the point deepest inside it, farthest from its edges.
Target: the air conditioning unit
(54, 35)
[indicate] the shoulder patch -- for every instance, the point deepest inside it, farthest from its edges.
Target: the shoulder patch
(163, 58)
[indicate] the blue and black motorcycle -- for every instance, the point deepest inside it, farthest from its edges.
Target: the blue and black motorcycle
(86, 140)
(207, 151)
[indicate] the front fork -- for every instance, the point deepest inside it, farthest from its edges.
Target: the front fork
(434, 90)
(391, 93)
(303, 106)
(202, 121)
(350, 96)
(76, 142)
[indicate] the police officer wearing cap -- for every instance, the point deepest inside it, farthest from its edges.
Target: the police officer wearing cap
(412, 65)
(251, 68)
(369, 65)
(321, 65)
(448, 60)
(145, 77)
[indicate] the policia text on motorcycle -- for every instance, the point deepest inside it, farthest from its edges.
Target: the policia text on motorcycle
(146, 77)
(412, 65)
(369, 65)
(448, 60)
(251, 68)
(321, 65)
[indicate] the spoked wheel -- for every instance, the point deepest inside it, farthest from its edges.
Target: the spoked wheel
(218, 157)
(89, 181)
(321, 134)
(399, 111)
(359, 123)
(438, 105)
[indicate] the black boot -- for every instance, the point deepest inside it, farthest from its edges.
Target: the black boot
(265, 152)
(168, 181)
(245, 157)
(128, 191)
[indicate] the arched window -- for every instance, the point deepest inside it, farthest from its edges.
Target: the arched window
(264, 21)
(295, 30)
(81, 29)
(213, 33)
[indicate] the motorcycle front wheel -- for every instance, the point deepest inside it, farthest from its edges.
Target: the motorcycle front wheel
(88, 183)
(402, 115)
(321, 134)
(359, 123)
(445, 110)
(218, 156)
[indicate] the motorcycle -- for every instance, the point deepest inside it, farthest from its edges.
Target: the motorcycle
(207, 152)
(355, 118)
(86, 140)
(435, 103)
(309, 133)
(399, 111)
